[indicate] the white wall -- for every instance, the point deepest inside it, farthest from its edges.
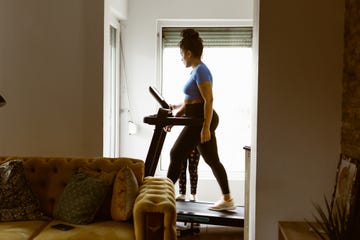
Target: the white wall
(51, 76)
(299, 108)
(119, 8)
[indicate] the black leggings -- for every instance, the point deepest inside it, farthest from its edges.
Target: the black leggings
(188, 139)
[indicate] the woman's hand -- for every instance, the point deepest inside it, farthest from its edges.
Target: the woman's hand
(205, 135)
(167, 128)
(179, 113)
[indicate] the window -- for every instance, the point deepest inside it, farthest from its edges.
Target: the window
(111, 93)
(228, 54)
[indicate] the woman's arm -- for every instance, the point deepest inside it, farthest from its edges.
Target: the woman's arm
(180, 109)
(180, 112)
(206, 93)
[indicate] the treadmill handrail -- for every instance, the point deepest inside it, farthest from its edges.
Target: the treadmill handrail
(153, 120)
(164, 118)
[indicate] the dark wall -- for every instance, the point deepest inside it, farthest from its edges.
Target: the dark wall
(350, 134)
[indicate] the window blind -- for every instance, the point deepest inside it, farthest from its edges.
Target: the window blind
(212, 36)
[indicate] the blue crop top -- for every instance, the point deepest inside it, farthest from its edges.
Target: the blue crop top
(198, 75)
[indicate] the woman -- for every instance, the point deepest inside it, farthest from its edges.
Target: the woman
(199, 104)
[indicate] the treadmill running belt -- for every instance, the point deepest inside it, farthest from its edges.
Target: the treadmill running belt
(199, 212)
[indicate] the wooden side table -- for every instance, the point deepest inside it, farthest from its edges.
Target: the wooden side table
(296, 231)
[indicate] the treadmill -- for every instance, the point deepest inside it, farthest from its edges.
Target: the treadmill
(187, 211)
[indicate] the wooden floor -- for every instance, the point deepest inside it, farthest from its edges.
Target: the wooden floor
(212, 232)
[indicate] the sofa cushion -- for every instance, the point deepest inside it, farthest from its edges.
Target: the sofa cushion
(125, 191)
(81, 199)
(21, 230)
(105, 230)
(17, 200)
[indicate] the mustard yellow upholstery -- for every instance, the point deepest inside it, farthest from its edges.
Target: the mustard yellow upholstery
(48, 177)
(157, 196)
(124, 194)
(104, 230)
(22, 230)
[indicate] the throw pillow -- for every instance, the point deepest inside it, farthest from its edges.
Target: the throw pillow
(125, 191)
(104, 211)
(17, 201)
(81, 199)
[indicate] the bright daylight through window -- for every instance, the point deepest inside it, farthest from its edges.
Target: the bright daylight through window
(229, 59)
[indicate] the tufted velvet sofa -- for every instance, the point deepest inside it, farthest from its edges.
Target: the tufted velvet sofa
(154, 214)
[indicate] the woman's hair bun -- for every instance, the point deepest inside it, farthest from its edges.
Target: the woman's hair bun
(190, 33)
(191, 41)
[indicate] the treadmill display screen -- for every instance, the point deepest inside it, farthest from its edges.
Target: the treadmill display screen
(158, 97)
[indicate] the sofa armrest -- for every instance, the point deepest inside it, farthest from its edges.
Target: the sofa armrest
(155, 210)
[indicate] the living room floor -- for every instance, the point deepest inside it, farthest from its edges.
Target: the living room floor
(212, 232)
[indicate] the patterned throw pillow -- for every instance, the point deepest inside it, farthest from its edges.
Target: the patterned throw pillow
(103, 213)
(17, 201)
(125, 191)
(81, 199)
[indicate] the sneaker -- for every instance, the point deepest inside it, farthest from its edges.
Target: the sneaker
(193, 198)
(222, 205)
(180, 197)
